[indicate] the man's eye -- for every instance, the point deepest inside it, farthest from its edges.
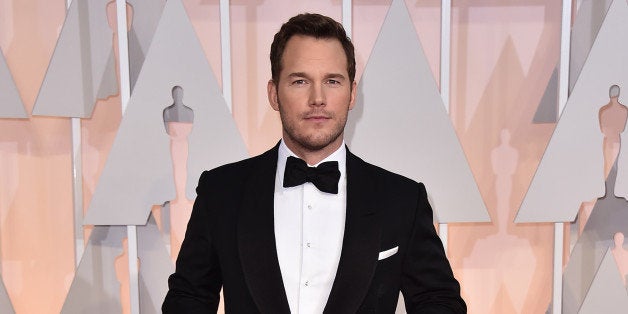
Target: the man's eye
(298, 82)
(333, 82)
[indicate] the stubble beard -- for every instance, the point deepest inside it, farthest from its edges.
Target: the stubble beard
(313, 141)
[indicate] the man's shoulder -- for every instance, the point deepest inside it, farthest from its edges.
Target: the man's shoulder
(240, 168)
(236, 166)
(384, 176)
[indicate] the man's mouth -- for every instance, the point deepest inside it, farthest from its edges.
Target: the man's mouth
(317, 116)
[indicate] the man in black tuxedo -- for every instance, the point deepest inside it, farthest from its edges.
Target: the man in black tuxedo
(308, 227)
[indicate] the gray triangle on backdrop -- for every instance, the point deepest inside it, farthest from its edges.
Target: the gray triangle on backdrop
(138, 172)
(607, 293)
(146, 16)
(5, 301)
(76, 73)
(586, 25)
(107, 86)
(547, 111)
(608, 216)
(96, 285)
(572, 168)
(11, 105)
(584, 261)
(155, 267)
(400, 122)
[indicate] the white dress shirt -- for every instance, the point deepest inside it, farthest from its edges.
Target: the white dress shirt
(309, 228)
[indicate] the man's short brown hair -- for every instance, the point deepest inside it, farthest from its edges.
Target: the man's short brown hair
(313, 25)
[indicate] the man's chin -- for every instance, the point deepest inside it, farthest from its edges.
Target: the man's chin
(318, 144)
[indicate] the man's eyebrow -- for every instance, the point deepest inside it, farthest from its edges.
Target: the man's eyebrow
(297, 74)
(329, 75)
(335, 76)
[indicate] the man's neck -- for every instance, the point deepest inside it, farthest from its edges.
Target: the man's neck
(313, 157)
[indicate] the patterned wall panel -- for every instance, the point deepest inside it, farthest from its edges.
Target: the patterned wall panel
(400, 123)
(101, 285)
(82, 68)
(10, 102)
(572, 168)
(139, 170)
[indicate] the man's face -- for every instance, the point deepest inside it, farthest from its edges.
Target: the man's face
(314, 93)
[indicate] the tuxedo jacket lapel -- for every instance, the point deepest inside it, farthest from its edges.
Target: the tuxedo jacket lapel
(256, 238)
(361, 242)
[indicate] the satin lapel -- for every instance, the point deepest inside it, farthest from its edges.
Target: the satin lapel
(256, 238)
(361, 243)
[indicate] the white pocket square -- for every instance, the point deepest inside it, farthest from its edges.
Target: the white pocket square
(387, 253)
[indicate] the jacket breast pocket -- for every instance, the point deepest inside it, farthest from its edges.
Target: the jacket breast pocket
(388, 270)
(384, 290)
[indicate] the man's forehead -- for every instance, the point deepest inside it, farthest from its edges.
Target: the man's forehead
(312, 48)
(298, 39)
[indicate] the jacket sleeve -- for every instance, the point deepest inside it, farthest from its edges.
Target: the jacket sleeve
(428, 284)
(195, 285)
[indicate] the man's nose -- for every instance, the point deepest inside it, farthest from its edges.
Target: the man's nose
(317, 95)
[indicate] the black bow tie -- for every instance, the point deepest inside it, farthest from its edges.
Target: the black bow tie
(325, 177)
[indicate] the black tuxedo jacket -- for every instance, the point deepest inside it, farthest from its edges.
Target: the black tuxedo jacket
(230, 243)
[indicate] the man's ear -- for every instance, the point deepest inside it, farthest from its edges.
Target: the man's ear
(271, 88)
(354, 88)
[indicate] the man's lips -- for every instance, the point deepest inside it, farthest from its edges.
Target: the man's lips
(317, 116)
